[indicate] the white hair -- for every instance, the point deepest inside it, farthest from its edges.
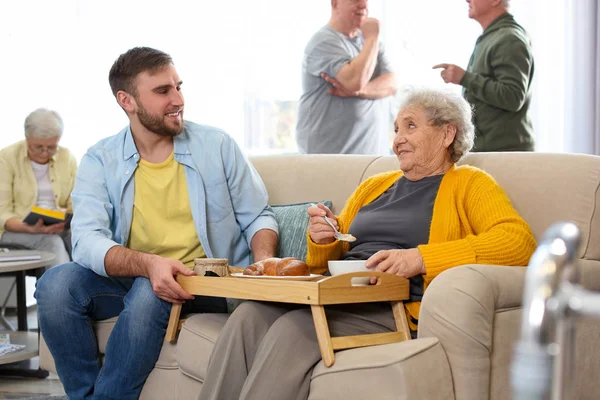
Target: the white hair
(442, 108)
(505, 4)
(43, 123)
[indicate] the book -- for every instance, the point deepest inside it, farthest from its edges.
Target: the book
(4, 339)
(10, 348)
(19, 255)
(6, 347)
(49, 217)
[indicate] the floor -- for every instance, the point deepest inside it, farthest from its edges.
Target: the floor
(19, 388)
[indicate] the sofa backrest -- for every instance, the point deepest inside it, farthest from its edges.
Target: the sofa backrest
(543, 187)
(296, 178)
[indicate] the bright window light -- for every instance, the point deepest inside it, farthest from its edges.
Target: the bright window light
(239, 60)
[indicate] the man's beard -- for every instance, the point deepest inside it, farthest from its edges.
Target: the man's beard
(156, 124)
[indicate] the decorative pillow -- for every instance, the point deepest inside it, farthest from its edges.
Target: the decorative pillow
(293, 224)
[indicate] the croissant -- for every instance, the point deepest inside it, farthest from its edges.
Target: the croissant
(274, 266)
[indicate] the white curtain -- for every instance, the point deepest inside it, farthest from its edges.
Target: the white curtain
(582, 76)
(566, 87)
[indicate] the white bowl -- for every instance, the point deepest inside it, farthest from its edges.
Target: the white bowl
(338, 267)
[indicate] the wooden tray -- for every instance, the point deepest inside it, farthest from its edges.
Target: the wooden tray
(317, 294)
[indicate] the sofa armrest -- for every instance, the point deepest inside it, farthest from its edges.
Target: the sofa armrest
(459, 309)
(414, 369)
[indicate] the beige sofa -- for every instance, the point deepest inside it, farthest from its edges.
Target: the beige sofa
(470, 314)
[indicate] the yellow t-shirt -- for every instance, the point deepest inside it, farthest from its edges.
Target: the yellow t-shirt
(162, 218)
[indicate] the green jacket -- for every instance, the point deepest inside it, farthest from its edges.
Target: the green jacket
(497, 84)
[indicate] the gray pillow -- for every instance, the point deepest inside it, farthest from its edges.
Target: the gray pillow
(293, 224)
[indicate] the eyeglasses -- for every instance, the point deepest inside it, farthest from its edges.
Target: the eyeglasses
(44, 149)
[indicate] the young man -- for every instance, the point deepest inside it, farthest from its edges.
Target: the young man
(497, 82)
(346, 79)
(146, 203)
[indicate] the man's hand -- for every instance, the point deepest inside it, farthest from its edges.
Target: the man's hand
(39, 227)
(161, 273)
(404, 263)
(370, 28)
(338, 89)
(451, 73)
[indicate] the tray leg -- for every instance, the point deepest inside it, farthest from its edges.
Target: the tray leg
(400, 319)
(173, 322)
(323, 335)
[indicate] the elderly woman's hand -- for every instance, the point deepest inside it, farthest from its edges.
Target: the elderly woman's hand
(49, 229)
(404, 263)
(318, 229)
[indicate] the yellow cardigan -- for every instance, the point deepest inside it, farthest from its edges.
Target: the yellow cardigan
(473, 222)
(18, 186)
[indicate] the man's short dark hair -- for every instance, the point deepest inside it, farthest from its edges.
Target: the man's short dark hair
(130, 64)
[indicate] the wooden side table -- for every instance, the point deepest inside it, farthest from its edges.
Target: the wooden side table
(22, 335)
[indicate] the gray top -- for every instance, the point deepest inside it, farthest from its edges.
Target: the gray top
(398, 219)
(329, 124)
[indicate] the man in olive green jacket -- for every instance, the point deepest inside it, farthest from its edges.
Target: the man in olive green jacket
(497, 82)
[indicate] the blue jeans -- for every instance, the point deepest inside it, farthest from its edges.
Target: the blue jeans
(70, 297)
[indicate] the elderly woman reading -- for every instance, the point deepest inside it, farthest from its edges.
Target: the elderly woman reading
(37, 172)
(430, 216)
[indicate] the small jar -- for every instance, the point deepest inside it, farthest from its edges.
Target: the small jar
(217, 265)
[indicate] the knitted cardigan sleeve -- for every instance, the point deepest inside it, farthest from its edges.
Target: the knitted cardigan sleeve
(488, 229)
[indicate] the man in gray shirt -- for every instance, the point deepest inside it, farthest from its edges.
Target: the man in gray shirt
(346, 79)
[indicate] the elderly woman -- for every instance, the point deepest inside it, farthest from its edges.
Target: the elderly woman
(430, 216)
(37, 172)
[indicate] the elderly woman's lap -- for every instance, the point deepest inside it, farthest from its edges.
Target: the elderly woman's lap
(290, 345)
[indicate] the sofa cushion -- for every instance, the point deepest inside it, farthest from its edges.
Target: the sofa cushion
(196, 341)
(166, 359)
(415, 369)
(395, 367)
(103, 328)
(293, 224)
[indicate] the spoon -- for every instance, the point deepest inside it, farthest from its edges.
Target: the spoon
(344, 237)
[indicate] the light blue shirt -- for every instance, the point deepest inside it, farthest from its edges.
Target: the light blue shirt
(228, 199)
